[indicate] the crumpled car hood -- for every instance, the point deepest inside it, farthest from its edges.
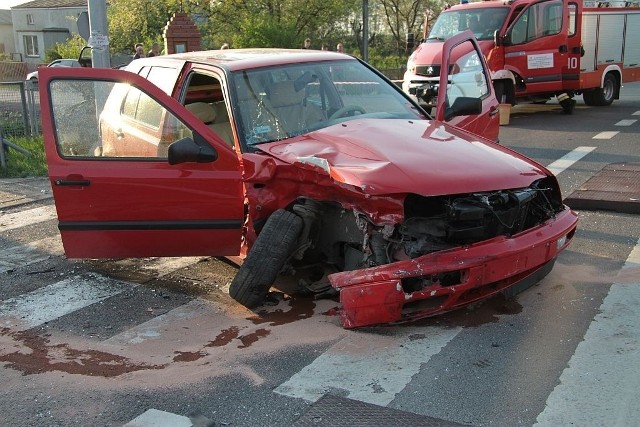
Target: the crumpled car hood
(402, 156)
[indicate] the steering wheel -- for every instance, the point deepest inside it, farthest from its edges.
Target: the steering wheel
(347, 109)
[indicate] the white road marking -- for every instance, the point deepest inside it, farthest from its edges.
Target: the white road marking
(369, 369)
(606, 135)
(601, 384)
(637, 113)
(56, 300)
(28, 217)
(21, 255)
(569, 159)
(156, 418)
(626, 122)
(165, 265)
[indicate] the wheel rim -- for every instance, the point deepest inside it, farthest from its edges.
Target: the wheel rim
(608, 89)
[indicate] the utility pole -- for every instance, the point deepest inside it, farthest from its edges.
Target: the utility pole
(99, 34)
(365, 30)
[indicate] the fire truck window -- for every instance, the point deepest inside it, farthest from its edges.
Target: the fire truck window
(572, 19)
(552, 18)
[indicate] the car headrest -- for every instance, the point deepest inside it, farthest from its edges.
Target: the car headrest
(283, 94)
(203, 111)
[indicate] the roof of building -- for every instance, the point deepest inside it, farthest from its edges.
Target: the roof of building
(49, 4)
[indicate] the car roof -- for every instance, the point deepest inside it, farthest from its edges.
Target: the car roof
(242, 59)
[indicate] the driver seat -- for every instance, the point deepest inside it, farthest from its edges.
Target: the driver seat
(290, 107)
(286, 104)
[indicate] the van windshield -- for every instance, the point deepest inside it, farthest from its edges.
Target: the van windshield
(482, 22)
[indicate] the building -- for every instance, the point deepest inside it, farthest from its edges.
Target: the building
(40, 24)
(7, 42)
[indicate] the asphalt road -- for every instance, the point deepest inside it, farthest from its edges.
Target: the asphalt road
(103, 343)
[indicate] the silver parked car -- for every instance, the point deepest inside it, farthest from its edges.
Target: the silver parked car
(33, 76)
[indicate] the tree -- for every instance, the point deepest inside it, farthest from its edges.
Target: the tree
(408, 16)
(242, 21)
(138, 21)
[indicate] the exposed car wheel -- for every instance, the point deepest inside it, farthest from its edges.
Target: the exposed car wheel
(274, 244)
(605, 95)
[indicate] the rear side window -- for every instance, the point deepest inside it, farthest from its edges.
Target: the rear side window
(139, 107)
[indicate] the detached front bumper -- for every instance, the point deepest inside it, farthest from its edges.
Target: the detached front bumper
(377, 295)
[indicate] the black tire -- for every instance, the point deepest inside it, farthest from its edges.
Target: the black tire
(263, 263)
(606, 94)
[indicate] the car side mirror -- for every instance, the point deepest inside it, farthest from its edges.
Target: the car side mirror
(462, 106)
(186, 150)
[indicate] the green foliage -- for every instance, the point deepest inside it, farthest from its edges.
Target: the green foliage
(260, 32)
(138, 21)
(70, 49)
(21, 166)
(319, 20)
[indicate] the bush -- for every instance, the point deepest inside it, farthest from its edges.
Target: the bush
(22, 166)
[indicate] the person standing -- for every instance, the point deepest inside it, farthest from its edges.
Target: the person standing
(139, 51)
(155, 50)
(307, 43)
(340, 48)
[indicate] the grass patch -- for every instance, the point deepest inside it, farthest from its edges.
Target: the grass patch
(21, 166)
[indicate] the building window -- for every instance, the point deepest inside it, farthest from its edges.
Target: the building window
(31, 45)
(30, 20)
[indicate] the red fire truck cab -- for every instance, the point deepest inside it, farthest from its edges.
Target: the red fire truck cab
(537, 49)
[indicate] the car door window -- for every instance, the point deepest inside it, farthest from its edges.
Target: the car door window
(467, 77)
(104, 119)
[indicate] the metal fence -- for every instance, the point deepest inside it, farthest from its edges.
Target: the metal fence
(19, 109)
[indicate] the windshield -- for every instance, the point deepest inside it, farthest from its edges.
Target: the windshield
(281, 102)
(482, 22)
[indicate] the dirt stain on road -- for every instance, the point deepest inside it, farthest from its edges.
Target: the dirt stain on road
(251, 338)
(225, 337)
(300, 308)
(46, 357)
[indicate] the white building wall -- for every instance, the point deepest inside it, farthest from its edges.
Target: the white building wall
(43, 21)
(6, 39)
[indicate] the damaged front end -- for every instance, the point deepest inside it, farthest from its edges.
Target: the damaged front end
(449, 251)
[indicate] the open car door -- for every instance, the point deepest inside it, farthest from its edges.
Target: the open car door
(133, 173)
(468, 82)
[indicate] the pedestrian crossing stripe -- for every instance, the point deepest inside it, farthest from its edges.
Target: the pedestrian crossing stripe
(53, 301)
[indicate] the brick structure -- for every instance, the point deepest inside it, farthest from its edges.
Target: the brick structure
(181, 34)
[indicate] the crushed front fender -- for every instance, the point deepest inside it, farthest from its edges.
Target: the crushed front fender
(453, 278)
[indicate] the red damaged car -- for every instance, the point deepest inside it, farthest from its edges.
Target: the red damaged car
(304, 163)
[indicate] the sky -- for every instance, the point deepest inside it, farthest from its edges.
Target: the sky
(6, 4)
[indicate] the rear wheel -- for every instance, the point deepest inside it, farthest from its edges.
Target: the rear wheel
(606, 94)
(274, 245)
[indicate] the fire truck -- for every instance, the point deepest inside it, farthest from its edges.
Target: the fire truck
(537, 49)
